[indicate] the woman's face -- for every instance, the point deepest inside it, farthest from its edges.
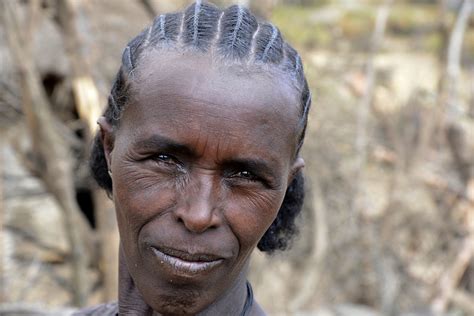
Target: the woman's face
(200, 163)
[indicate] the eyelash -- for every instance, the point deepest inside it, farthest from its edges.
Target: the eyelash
(166, 159)
(163, 156)
(246, 176)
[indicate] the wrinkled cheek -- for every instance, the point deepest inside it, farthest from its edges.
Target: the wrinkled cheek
(254, 217)
(135, 208)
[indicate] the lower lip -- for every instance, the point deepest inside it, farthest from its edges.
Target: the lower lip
(185, 267)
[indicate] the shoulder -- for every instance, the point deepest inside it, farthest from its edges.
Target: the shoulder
(109, 309)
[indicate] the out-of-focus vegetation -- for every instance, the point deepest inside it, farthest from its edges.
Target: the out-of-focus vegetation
(388, 226)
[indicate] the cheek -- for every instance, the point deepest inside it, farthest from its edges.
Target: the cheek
(250, 216)
(139, 196)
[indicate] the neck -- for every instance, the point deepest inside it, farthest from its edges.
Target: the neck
(131, 301)
(233, 300)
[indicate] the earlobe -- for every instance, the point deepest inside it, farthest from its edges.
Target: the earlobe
(107, 138)
(297, 166)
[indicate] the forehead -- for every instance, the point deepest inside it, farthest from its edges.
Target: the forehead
(194, 90)
(203, 77)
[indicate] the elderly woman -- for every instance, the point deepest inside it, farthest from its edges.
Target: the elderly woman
(199, 150)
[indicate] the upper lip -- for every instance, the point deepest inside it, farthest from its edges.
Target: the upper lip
(188, 256)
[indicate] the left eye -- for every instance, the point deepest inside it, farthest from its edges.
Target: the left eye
(246, 175)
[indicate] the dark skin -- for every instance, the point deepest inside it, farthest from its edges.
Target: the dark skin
(200, 164)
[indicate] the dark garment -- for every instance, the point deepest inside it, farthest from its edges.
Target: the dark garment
(110, 309)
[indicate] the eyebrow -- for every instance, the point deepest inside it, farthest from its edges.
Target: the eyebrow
(162, 143)
(249, 163)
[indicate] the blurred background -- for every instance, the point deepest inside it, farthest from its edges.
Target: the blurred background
(388, 224)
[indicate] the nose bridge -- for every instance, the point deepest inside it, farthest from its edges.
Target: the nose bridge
(198, 212)
(203, 191)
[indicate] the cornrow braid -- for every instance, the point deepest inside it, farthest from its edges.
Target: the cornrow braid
(269, 44)
(233, 34)
(195, 19)
(238, 26)
(165, 27)
(200, 25)
(292, 63)
(162, 32)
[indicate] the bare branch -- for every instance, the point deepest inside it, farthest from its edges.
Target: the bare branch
(464, 300)
(454, 53)
(364, 107)
(315, 264)
(451, 278)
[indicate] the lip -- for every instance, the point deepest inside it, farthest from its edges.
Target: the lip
(185, 263)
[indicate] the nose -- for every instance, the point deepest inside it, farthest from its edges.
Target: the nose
(198, 210)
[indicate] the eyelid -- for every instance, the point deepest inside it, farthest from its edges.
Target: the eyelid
(235, 176)
(252, 176)
(166, 156)
(166, 159)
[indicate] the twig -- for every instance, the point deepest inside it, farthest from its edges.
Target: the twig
(451, 278)
(31, 276)
(315, 264)
(454, 55)
(31, 239)
(440, 183)
(464, 300)
(364, 107)
(3, 253)
(361, 144)
(457, 144)
(471, 103)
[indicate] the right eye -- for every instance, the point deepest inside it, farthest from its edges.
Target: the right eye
(166, 161)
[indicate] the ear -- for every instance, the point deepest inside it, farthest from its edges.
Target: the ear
(107, 138)
(297, 166)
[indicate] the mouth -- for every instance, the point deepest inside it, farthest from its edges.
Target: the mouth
(184, 263)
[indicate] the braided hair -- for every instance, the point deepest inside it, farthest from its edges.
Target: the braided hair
(233, 34)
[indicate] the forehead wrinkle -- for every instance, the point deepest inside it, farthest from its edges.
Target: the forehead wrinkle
(214, 148)
(247, 108)
(142, 121)
(202, 101)
(201, 143)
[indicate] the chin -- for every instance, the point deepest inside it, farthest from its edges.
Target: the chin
(184, 302)
(170, 294)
